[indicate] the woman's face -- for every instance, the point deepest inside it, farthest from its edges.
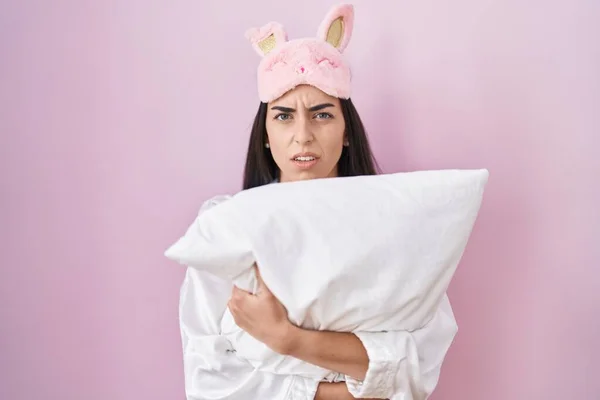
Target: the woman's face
(306, 134)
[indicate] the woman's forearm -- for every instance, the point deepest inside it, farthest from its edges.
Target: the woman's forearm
(342, 352)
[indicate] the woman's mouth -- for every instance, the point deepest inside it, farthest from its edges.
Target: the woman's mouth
(305, 161)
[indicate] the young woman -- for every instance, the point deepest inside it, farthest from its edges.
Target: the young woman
(306, 128)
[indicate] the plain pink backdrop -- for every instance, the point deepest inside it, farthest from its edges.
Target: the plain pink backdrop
(118, 118)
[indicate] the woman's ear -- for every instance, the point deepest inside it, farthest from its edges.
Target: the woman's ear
(336, 28)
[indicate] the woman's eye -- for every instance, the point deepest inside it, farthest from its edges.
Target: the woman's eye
(283, 117)
(323, 115)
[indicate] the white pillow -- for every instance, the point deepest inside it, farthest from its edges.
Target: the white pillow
(367, 253)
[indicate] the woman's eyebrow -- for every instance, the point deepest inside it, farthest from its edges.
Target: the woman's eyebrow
(320, 106)
(312, 109)
(283, 109)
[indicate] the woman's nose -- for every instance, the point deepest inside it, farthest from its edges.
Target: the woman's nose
(303, 132)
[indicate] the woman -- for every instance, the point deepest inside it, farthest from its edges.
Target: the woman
(306, 128)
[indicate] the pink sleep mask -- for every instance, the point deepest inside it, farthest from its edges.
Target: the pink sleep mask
(313, 61)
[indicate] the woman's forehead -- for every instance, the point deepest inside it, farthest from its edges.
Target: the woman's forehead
(304, 95)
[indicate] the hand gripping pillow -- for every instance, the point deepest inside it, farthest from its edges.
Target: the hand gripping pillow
(367, 253)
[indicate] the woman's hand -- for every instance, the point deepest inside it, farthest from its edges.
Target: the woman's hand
(262, 316)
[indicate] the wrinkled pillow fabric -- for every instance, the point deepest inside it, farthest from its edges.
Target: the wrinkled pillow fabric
(366, 253)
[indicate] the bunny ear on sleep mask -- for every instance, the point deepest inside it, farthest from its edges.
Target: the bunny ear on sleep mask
(317, 61)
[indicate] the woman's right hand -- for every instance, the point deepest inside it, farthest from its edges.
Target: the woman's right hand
(334, 391)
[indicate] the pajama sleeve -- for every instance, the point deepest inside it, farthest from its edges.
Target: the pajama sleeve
(406, 365)
(212, 371)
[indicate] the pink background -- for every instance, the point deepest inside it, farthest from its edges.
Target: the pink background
(118, 118)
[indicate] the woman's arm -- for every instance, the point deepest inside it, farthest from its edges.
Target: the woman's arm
(401, 363)
(262, 316)
(378, 364)
(211, 369)
(406, 365)
(341, 352)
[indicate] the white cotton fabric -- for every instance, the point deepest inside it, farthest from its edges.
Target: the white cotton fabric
(402, 365)
(361, 254)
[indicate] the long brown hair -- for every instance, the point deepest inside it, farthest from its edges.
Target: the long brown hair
(356, 159)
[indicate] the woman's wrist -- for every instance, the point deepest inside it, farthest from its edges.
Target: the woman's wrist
(290, 339)
(341, 352)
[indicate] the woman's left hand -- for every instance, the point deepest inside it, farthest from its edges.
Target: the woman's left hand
(262, 316)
